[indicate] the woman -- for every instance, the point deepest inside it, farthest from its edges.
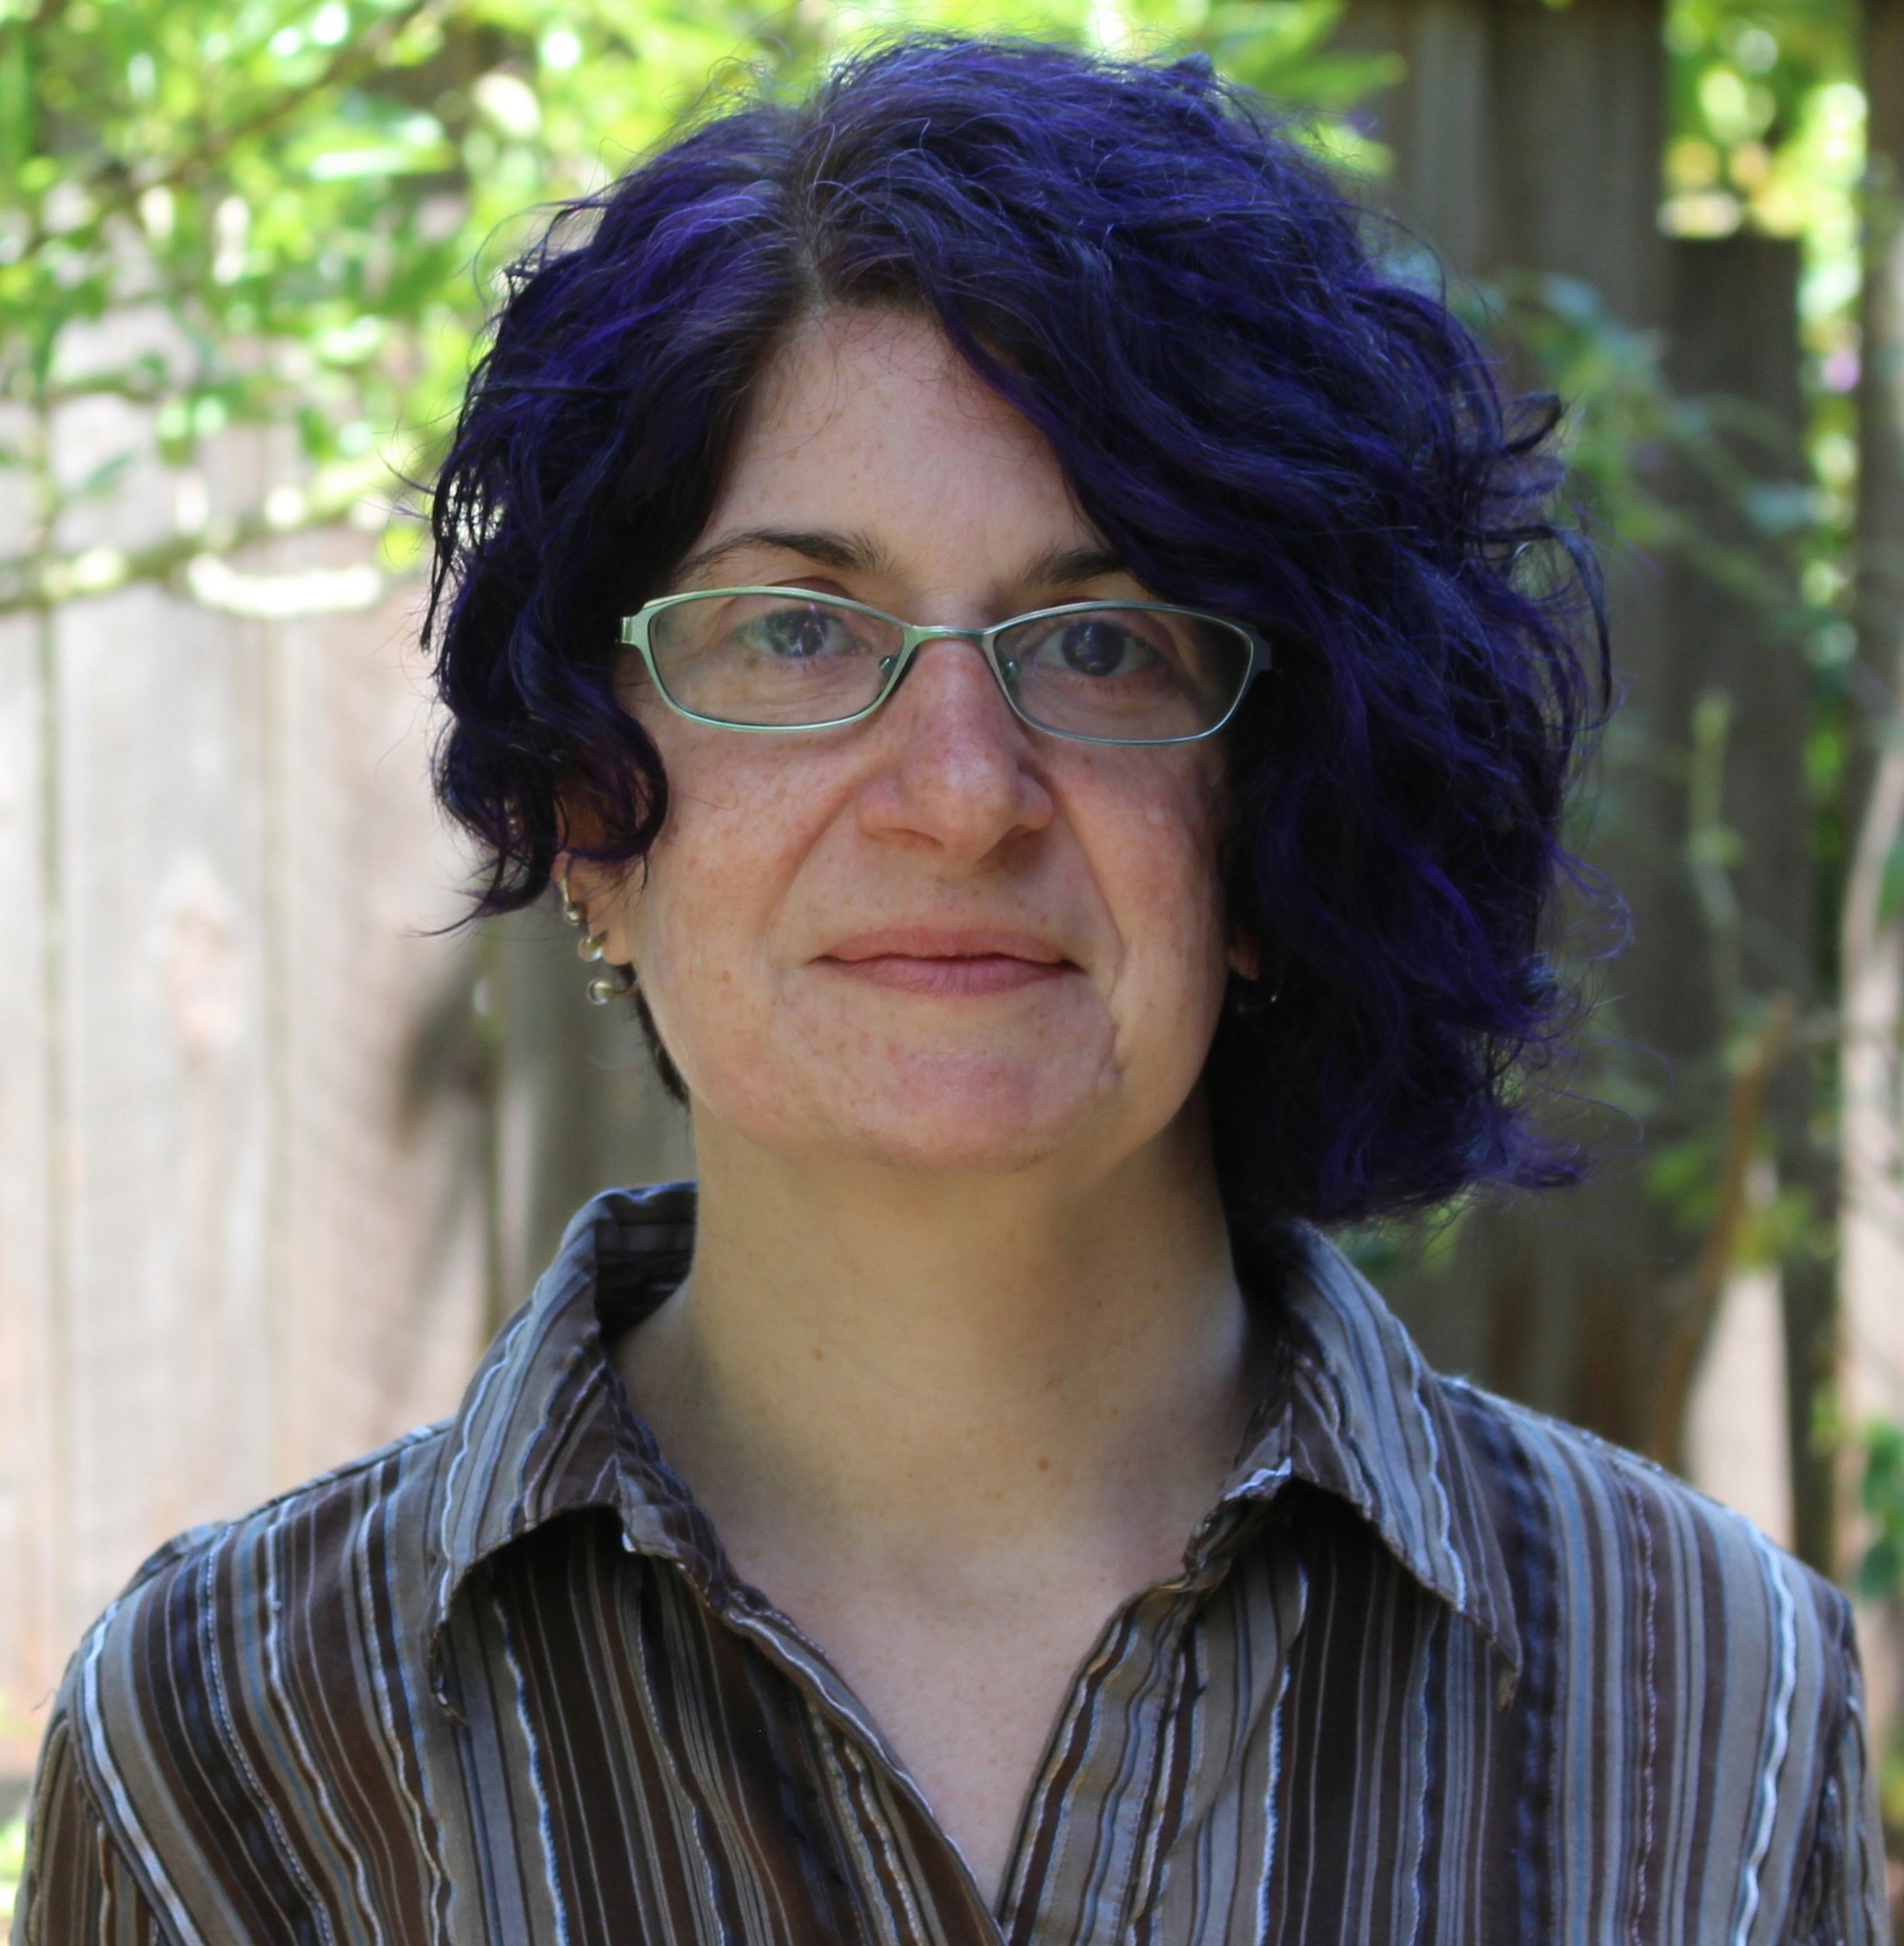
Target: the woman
(1043, 670)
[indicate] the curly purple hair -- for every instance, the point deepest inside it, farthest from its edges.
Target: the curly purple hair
(1258, 416)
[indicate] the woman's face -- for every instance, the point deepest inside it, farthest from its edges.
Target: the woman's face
(936, 939)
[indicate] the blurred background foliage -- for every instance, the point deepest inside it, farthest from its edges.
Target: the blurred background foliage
(317, 201)
(288, 218)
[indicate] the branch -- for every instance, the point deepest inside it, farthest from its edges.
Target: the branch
(114, 187)
(1697, 1300)
(31, 584)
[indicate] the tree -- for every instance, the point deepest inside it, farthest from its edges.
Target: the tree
(291, 218)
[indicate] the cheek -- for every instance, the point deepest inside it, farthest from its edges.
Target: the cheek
(1188, 922)
(736, 825)
(1154, 848)
(1171, 832)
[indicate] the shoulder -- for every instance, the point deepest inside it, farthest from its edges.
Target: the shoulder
(1670, 1649)
(1528, 1525)
(1673, 1702)
(293, 1547)
(192, 1712)
(1633, 1544)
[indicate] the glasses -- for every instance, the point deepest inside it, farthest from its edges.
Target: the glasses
(1103, 672)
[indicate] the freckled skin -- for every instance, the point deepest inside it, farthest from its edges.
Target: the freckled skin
(943, 809)
(995, 1207)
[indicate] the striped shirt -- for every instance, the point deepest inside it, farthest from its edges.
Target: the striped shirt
(1435, 1669)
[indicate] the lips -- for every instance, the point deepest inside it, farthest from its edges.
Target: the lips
(949, 962)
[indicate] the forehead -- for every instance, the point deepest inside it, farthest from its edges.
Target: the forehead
(870, 422)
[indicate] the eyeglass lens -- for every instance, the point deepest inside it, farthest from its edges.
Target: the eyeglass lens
(1135, 675)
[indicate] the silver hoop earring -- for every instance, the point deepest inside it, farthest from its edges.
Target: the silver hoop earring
(620, 980)
(615, 985)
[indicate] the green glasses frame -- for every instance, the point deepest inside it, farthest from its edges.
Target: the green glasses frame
(913, 636)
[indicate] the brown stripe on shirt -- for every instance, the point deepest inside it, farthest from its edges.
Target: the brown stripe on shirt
(1435, 1669)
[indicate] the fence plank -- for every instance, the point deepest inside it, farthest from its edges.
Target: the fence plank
(272, 1252)
(380, 1194)
(32, 1488)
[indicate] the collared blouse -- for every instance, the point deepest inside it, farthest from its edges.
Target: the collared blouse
(1435, 1669)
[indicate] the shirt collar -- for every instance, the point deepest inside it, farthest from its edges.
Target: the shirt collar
(1364, 1418)
(544, 1428)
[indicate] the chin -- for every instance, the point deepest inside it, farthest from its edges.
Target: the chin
(934, 1145)
(956, 1114)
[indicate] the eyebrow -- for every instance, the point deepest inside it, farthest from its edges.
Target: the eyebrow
(1057, 564)
(859, 553)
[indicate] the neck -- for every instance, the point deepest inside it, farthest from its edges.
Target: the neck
(902, 1363)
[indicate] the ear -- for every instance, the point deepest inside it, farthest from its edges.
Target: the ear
(1246, 954)
(595, 890)
(576, 880)
(595, 901)
(582, 881)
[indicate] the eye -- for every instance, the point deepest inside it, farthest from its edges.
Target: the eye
(797, 632)
(1097, 645)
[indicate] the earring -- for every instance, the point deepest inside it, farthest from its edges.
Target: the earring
(620, 980)
(616, 984)
(1249, 999)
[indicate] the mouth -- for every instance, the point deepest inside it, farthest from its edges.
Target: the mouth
(950, 963)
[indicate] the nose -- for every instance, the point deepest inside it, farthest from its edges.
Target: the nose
(959, 769)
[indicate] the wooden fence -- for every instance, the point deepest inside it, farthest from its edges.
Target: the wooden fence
(276, 1153)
